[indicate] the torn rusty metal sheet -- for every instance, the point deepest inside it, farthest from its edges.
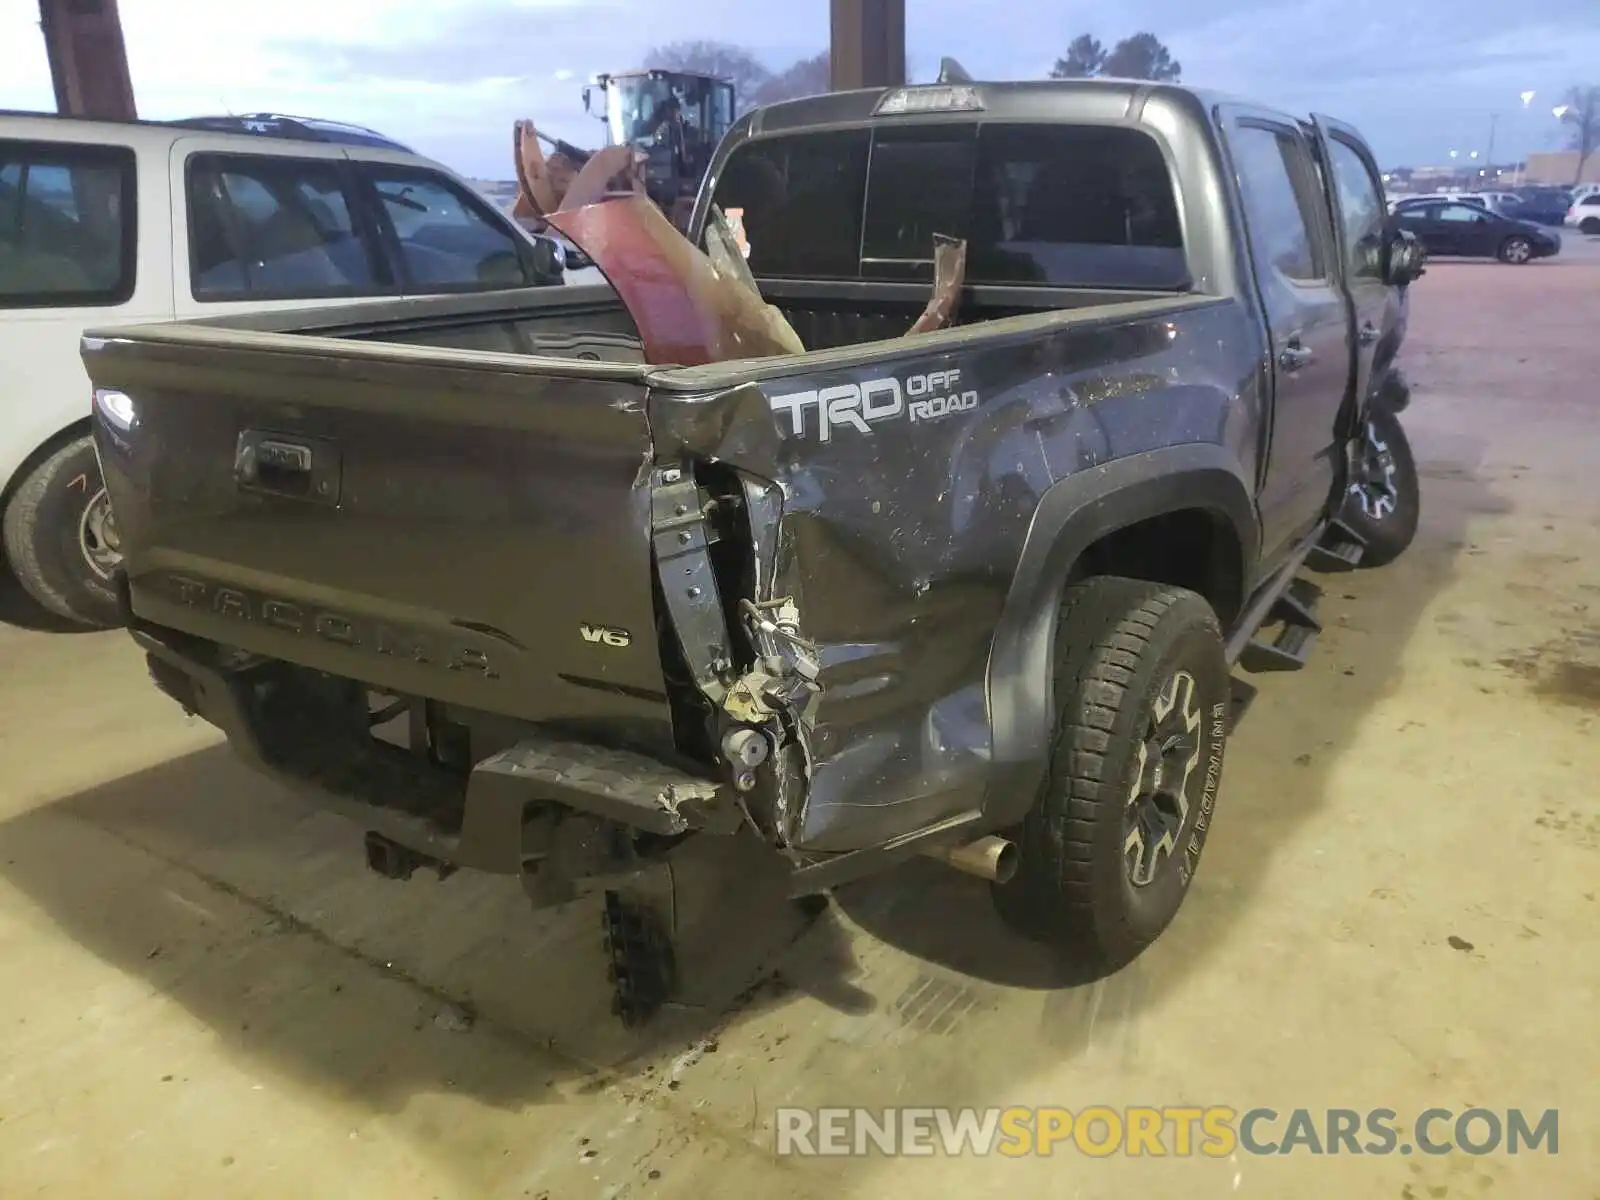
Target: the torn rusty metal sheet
(690, 306)
(687, 311)
(949, 272)
(569, 177)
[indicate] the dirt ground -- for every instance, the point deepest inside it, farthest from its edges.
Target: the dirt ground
(205, 993)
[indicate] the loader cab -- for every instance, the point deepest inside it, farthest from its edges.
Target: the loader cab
(643, 106)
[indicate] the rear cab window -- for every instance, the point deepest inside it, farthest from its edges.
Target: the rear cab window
(1039, 205)
(67, 225)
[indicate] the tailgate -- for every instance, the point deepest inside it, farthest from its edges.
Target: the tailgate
(469, 527)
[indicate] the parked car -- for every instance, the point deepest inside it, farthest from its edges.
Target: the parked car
(1585, 213)
(1503, 203)
(1454, 229)
(973, 593)
(1543, 206)
(141, 221)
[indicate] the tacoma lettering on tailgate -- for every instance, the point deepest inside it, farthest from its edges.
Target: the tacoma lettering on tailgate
(329, 625)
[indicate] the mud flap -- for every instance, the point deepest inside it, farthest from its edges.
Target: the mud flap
(697, 928)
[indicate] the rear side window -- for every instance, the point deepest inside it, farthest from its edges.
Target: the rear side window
(1278, 183)
(448, 240)
(67, 225)
(266, 228)
(1075, 205)
(1041, 205)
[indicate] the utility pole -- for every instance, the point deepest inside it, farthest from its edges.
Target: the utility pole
(1494, 119)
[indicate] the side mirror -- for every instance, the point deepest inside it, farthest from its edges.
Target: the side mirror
(548, 261)
(1403, 258)
(588, 100)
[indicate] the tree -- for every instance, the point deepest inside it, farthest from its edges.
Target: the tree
(1142, 56)
(1582, 112)
(1086, 57)
(808, 77)
(734, 63)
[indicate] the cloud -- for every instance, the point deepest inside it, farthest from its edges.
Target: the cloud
(449, 76)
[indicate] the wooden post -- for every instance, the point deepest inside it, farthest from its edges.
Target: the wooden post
(88, 61)
(868, 44)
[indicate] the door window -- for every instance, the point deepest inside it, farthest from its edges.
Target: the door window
(1278, 182)
(1461, 214)
(66, 225)
(266, 228)
(448, 240)
(1360, 209)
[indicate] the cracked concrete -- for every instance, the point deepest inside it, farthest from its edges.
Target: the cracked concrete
(206, 993)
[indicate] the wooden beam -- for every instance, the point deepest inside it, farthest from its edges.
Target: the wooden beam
(88, 61)
(868, 43)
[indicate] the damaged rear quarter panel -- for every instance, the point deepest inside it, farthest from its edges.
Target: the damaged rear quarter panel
(902, 526)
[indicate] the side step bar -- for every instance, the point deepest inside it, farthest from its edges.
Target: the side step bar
(1339, 549)
(1295, 610)
(1289, 601)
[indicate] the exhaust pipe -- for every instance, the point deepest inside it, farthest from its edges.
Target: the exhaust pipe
(992, 858)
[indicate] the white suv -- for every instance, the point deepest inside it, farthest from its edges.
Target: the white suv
(1585, 213)
(109, 222)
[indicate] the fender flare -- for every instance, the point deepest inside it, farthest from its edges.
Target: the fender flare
(1074, 513)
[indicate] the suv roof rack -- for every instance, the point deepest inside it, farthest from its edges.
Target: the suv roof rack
(305, 129)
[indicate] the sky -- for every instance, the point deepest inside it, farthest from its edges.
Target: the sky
(448, 77)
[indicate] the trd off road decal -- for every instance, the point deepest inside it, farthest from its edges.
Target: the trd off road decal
(860, 406)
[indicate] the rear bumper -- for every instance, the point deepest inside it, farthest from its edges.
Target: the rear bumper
(321, 748)
(479, 821)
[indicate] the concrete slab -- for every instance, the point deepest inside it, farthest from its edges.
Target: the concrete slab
(207, 994)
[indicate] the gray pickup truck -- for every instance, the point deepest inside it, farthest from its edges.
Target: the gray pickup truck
(473, 572)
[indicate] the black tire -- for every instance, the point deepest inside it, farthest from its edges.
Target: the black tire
(1589, 225)
(1385, 505)
(1516, 250)
(55, 513)
(1123, 647)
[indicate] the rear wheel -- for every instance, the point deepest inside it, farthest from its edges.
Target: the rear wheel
(61, 537)
(1384, 504)
(1589, 225)
(1108, 851)
(1516, 250)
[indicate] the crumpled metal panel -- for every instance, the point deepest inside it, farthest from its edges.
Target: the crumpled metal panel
(904, 516)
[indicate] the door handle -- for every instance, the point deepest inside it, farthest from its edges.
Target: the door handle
(1368, 334)
(298, 468)
(1294, 356)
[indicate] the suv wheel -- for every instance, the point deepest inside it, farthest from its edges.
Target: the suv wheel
(1107, 853)
(1590, 225)
(1516, 250)
(61, 537)
(1384, 504)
